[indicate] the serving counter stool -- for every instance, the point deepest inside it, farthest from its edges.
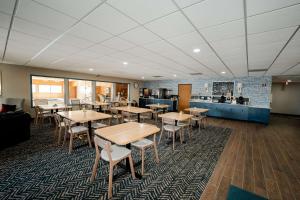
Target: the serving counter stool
(112, 154)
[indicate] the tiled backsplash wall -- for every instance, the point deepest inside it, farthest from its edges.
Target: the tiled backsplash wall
(257, 89)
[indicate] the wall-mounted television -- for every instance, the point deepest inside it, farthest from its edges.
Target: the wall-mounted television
(222, 87)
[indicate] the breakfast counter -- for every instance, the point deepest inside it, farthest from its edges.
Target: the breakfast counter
(252, 113)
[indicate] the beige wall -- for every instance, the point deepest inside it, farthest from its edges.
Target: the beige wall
(286, 98)
(16, 81)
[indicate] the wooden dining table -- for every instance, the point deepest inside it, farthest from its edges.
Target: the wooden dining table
(196, 110)
(176, 116)
(54, 107)
(98, 104)
(125, 134)
(83, 116)
(134, 110)
(159, 106)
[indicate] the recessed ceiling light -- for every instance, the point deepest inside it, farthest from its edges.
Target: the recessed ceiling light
(196, 50)
(125, 63)
(223, 72)
(143, 77)
(91, 69)
(174, 75)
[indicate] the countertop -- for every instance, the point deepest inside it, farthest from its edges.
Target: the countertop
(205, 101)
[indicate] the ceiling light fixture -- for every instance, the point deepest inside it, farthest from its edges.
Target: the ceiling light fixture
(196, 50)
(223, 72)
(91, 69)
(125, 63)
(174, 75)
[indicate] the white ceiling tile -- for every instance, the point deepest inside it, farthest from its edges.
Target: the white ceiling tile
(70, 40)
(278, 19)
(42, 15)
(89, 32)
(74, 8)
(4, 20)
(144, 10)
(256, 73)
(213, 12)
(34, 29)
(172, 25)
(140, 36)
(110, 20)
(27, 40)
(185, 3)
(3, 34)
(229, 47)
(264, 47)
(294, 71)
(259, 6)
(118, 44)
(101, 50)
(224, 31)
(7, 6)
(64, 50)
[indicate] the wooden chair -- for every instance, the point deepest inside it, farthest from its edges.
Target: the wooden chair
(185, 125)
(112, 154)
(169, 126)
(155, 113)
(75, 103)
(115, 115)
(197, 117)
(145, 116)
(75, 132)
(142, 145)
(128, 117)
(60, 124)
(39, 114)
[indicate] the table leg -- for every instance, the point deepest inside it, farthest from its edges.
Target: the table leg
(139, 120)
(164, 110)
(100, 108)
(90, 128)
(137, 175)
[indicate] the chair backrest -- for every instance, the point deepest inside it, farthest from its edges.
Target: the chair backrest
(195, 113)
(68, 124)
(57, 119)
(134, 103)
(38, 102)
(126, 114)
(75, 104)
(104, 144)
(168, 121)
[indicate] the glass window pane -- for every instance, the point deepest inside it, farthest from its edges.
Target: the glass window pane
(48, 88)
(80, 89)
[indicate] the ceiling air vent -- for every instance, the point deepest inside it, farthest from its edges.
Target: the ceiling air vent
(157, 76)
(196, 74)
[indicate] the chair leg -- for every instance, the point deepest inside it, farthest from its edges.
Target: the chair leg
(162, 131)
(131, 166)
(155, 148)
(71, 144)
(59, 135)
(89, 139)
(95, 167)
(173, 141)
(143, 160)
(110, 178)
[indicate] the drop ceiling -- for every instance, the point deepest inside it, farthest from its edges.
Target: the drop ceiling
(155, 38)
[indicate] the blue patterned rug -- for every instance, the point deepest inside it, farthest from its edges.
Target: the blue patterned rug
(38, 169)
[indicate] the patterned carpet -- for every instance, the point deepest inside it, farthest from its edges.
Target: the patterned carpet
(38, 169)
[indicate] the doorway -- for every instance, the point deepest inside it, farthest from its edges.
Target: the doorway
(184, 96)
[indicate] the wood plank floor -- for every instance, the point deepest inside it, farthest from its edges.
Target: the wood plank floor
(261, 159)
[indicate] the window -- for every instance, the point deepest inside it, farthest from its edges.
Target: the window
(104, 91)
(48, 88)
(80, 89)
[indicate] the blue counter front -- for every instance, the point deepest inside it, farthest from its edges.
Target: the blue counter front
(235, 111)
(145, 101)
